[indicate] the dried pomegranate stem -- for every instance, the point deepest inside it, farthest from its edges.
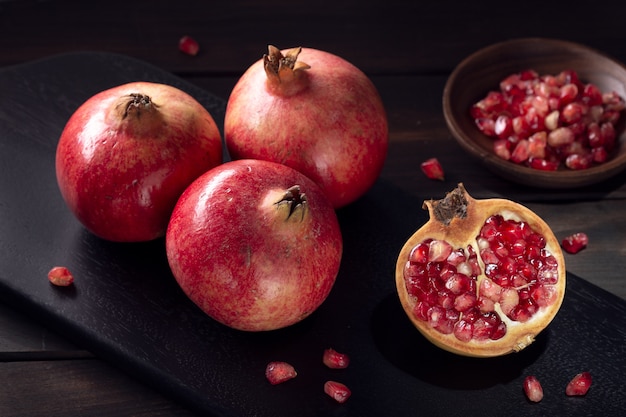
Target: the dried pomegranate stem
(454, 204)
(295, 200)
(279, 67)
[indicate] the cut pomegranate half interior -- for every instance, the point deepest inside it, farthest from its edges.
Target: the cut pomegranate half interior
(481, 277)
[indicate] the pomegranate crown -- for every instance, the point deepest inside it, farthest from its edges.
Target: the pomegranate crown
(281, 67)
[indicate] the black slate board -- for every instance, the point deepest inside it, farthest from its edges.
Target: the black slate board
(126, 307)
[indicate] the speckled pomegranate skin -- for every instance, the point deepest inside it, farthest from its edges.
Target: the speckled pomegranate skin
(122, 175)
(237, 255)
(328, 122)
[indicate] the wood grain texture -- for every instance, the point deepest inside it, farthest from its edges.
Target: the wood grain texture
(383, 37)
(86, 387)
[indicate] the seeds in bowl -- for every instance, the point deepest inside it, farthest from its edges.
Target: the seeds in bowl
(550, 121)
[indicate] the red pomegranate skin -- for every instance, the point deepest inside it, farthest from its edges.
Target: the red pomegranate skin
(237, 255)
(328, 122)
(122, 175)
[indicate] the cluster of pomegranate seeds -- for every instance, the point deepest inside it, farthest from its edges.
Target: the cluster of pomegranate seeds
(337, 391)
(432, 169)
(60, 276)
(516, 259)
(278, 372)
(533, 389)
(550, 121)
(188, 45)
(579, 385)
(574, 243)
(519, 276)
(335, 360)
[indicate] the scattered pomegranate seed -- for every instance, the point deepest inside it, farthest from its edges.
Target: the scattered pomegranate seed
(337, 391)
(533, 389)
(60, 276)
(575, 243)
(279, 372)
(188, 45)
(579, 385)
(335, 360)
(577, 119)
(433, 170)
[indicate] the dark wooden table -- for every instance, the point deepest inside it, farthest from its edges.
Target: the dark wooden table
(407, 47)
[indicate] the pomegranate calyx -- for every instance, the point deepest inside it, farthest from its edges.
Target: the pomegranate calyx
(136, 114)
(453, 205)
(295, 201)
(281, 66)
(284, 72)
(135, 104)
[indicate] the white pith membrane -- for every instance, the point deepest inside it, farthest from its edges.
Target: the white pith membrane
(439, 316)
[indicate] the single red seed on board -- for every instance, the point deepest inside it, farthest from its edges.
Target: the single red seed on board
(335, 360)
(575, 243)
(579, 385)
(433, 169)
(188, 45)
(278, 372)
(533, 389)
(60, 276)
(337, 391)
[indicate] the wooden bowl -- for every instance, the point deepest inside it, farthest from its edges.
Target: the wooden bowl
(483, 70)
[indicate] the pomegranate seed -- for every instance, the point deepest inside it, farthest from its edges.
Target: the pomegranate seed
(438, 251)
(568, 93)
(561, 136)
(599, 154)
(573, 112)
(188, 45)
(543, 164)
(592, 95)
(520, 152)
(279, 372)
(432, 168)
(607, 131)
(552, 120)
(509, 298)
(578, 161)
(335, 360)
(574, 243)
(337, 391)
(60, 276)
(503, 126)
(544, 295)
(533, 389)
(465, 301)
(501, 148)
(594, 135)
(579, 385)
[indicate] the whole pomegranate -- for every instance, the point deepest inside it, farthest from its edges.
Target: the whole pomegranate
(482, 277)
(128, 153)
(255, 244)
(319, 115)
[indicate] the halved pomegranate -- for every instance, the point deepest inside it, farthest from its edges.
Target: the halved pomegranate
(482, 277)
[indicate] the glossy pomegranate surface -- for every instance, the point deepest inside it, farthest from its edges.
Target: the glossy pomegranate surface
(255, 244)
(312, 111)
(481, 277)
(128, 153)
